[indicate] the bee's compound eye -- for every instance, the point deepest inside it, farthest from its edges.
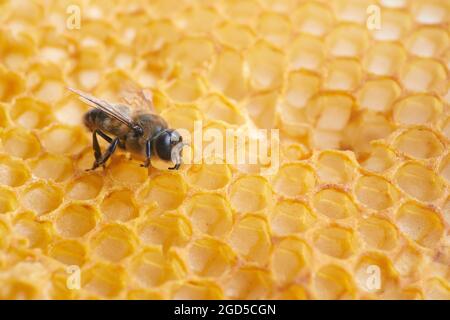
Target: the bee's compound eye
(175, 138)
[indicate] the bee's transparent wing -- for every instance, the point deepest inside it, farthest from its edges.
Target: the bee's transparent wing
(110, 109)
(137, 98)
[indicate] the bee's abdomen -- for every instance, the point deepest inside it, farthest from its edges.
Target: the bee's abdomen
(92, 119)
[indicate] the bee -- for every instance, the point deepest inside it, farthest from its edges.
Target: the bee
(137, 130)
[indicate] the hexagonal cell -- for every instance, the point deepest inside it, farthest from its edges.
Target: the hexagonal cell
(69, 252)
(385, 58)
(275, 28)
(84, 187)
(8, 200)
(76, 220)
(193, 51)
(248, 283)
(166, 190)
(329, 111)
(423, 75)
(262, 108)
(419, 181)
(119, 206)
(41, 197)
(347, 41)
(342, 74)
(380, 159)
(313, 18)
(290, 258)
(291, 216)
(185, 89)
(70, 111)
(394, 27)
(52, 167)
(378, 233)
(235, 35)
(217, 107)
(335, 241)
(11, 84)
(306, 52)
(428, 42)
(419, 143)
(375, 273)
(250, 238)
(200, 19)
(152, 267)
(166, 229)
(266, 66)
(301, 86)
(30, 113)
(210, 258)
(210, 213)
(334, 167)
(124, 171)
(209, 176)
(430, 12)
(379, 95)
(198, 290)
(334, 204)
(104, 280)
(332, 282)
(20, 143)
(243, 12)
(61, 139)
(376, 192)
(294, 179)
(417, 109)
(293, 292)
(37, 234)
(420, 224)
(13, 173)
(437, 289)
(250, 194)
(113, 243)
(408, 261)
(444, 168)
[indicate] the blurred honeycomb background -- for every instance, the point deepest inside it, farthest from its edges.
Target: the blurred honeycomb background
(364, 131)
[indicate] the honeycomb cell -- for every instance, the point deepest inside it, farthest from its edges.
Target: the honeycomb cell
(36, 234)
(250, 193)
(61, 139)
(200, 176)
(166, 229)
(11, 84)
(195, 52)
(419, 143)
(274, 28)
(70, 111)
(84, 187)
(378, 233)
(408, 261)
(113, 243)
(198, 290)
(301, 86)
(52, 167)
(41, 197)
(313, 18)
(423, 75)
(185, 89)
(210, 258)
(12, 173)
(125, 172)
(234, 35)
(30, 113)
(242, 11)
(290, 216)
(167, 190)
(379, 95)
(293, 292)
(375, 273)
(250, 238)
(210, 213)
(119, 206)
(395, 25)
(430, 12)
(331, 282)
(334, 204)
(290, 258)
(437, 289)
(428, 42)
(265, 66)
(294, 179)
(305, 52)
(103, 279)
(261, 107)
(417, 109)
(420, 224)
(444, 168)
(419, 181)
(342, 74)
(199, 19)
(8, 200)
(334, 167)
(347, 41)
(379, 160)
(329, 111)
(69, 252)
(75, 220)
(151, 268)
(217, 107)
(20, 143)
(248, 283)
(376, 192)
(385, 59)
(335, 241)
(182, 116)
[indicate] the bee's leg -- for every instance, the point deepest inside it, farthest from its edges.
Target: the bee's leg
(176, 166)
(108, 153)
(148, 153)
(96, 147)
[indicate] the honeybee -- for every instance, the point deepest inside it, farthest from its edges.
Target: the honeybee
(137, 130)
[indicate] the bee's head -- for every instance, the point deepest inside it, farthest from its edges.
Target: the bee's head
(168, 145)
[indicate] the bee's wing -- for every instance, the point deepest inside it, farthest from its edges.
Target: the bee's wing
(137, 98)
(110, 109)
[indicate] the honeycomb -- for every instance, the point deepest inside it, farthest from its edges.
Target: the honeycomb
(364, 165)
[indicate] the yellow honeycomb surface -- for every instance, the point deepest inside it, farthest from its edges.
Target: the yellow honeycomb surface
(361, 191)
